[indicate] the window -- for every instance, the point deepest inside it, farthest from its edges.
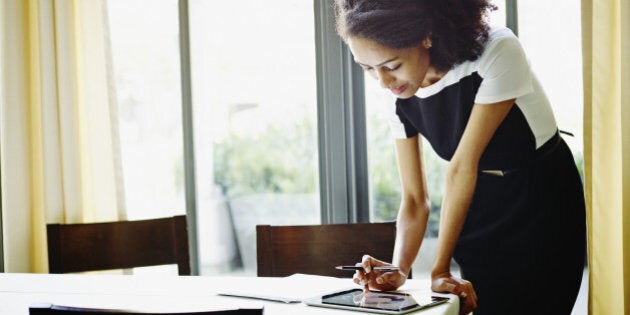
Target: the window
(254, 104)
(554, 48)
(145, 57)
(255, 109)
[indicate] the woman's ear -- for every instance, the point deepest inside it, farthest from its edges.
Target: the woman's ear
(427, 42)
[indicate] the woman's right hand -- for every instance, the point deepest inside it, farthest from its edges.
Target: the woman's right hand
(376, 280)
(446, 283)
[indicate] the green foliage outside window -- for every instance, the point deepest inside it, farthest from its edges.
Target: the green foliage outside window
(278, 160)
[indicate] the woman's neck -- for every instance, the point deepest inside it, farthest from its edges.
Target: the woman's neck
(431, 77)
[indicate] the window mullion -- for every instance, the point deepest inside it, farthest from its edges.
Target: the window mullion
(357, 164)
(187, 125)
(341, 125)
(511, 15)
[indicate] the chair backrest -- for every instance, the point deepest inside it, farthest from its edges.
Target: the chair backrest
(317, 249)
(118, 245)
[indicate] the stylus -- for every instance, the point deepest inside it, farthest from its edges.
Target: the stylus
(379, 268)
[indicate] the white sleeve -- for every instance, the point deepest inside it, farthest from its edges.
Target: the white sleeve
(505, 72)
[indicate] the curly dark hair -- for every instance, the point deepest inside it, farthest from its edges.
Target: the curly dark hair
(457, 28)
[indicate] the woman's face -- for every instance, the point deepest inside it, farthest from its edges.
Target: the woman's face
(402, 71)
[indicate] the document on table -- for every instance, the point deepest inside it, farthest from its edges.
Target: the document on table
(291, 289)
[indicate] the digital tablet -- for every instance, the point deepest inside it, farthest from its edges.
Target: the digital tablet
(375, 301)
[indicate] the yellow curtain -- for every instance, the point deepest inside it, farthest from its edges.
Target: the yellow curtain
(606, 54)
(60, 158)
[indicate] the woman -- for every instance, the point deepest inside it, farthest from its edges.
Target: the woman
(513, 213)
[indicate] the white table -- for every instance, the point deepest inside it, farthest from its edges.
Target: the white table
(176, 293)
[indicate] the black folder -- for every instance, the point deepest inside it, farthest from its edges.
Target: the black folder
(52, 309)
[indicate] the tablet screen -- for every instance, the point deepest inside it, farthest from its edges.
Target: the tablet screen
(389, 301)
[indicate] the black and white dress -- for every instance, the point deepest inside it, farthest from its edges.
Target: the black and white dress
(523, 242)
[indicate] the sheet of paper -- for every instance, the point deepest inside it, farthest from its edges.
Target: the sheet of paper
(291, 289)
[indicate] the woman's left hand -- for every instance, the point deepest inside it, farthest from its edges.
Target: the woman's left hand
(445, 282)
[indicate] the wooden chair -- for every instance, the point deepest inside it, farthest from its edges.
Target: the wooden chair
(317, 249)
(118, 245)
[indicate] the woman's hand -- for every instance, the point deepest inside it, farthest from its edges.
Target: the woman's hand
(377, 280)
(445, 282)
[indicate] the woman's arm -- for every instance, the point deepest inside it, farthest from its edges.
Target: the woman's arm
(411, 224)
(415, 205)
(461, 178)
